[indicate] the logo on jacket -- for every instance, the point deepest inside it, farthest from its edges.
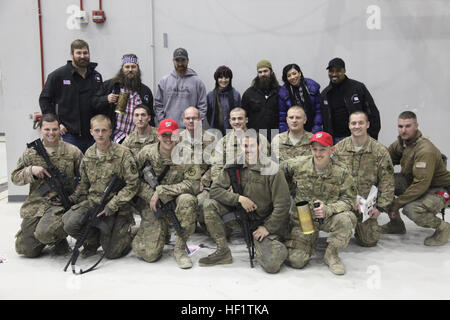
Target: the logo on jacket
(66, 82)
(355, 98)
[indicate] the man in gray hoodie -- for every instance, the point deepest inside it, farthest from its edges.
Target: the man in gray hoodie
(178, 90)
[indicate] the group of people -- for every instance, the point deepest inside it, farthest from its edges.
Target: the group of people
(325, 154)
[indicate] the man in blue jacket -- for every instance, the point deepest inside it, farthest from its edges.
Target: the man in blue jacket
(68, 92)
(342, 97)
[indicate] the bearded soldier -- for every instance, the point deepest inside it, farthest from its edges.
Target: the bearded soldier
(174, 183)
(126, 90)
(319, 180)
(101, 161)
(370, 165)
(42, 214)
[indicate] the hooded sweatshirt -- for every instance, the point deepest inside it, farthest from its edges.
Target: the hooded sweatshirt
(175, 94)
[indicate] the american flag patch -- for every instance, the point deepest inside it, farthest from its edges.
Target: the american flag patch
(66, 82)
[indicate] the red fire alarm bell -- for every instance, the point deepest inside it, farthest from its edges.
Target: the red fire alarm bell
(98, 16)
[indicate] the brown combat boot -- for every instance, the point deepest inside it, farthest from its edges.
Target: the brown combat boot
(331, 258)
(395, 226)
(440, 236)
(221, 256)
(182, 258)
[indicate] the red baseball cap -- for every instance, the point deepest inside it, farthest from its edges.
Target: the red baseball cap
(323, 138)
(167, 125)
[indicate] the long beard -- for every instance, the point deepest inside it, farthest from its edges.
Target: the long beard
(265, 84)
(131, 83)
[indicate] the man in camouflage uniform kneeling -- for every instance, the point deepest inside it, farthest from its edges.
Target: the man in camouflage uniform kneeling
(42, 214)
(265, 196)
(370, 165)
(101, 161)
(319, 179)
(422, 185)
(176, 182)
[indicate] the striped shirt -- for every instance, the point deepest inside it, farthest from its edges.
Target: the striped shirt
(124, 121)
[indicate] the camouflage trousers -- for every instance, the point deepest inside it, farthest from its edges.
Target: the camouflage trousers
(339, 228)
(35, 233)
(201, 197)
(422, 211)
(367, 233)
(270, 252)
(116, 244)
(150, 238)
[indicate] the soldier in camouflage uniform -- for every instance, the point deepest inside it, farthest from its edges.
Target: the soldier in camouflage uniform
(319, 179)
(265, 195)
(295, 141)
(422, 185)
(193, 149)
(42, 215)
(101, 161)
(227, 150)
(144, 133)
(180, 182)
(370, 165)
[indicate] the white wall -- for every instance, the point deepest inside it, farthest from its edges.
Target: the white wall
(403, 64)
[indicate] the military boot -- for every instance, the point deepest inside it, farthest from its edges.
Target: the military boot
(221, 256)
(440, 236)
(88, 251)
(182, 258)
(331, 258)
(395, 226)
(61, 248)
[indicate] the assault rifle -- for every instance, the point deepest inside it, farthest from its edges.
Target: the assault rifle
(242, 215)
(91, 220)
(58, 181)
(167, 209)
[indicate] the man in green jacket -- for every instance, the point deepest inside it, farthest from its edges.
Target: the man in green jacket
(422, 185)
(265, 197)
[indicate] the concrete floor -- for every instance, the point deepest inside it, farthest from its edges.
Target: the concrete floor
(399, 267)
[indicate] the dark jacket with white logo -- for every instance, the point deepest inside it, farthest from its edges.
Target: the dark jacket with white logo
(356, 97)
(68, 95)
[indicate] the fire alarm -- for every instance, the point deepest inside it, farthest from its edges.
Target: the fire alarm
(98, 16)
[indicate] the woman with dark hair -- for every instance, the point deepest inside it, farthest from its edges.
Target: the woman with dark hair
(222, 100)
(300, 91)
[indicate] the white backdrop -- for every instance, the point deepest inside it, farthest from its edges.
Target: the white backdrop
(399, 49)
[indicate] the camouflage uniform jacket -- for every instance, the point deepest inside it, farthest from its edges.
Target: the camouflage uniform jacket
(227, 150)
(422, 166)
(372, 165)
(335, 187)
(133, 142)
(269, 192)
(286, 150)
(179, 179)
(67, 159)
(96, 173)
(200, 153)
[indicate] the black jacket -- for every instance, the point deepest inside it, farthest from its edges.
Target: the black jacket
(262, 113)
(68, 95)
(356, 97)
(101, 104)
